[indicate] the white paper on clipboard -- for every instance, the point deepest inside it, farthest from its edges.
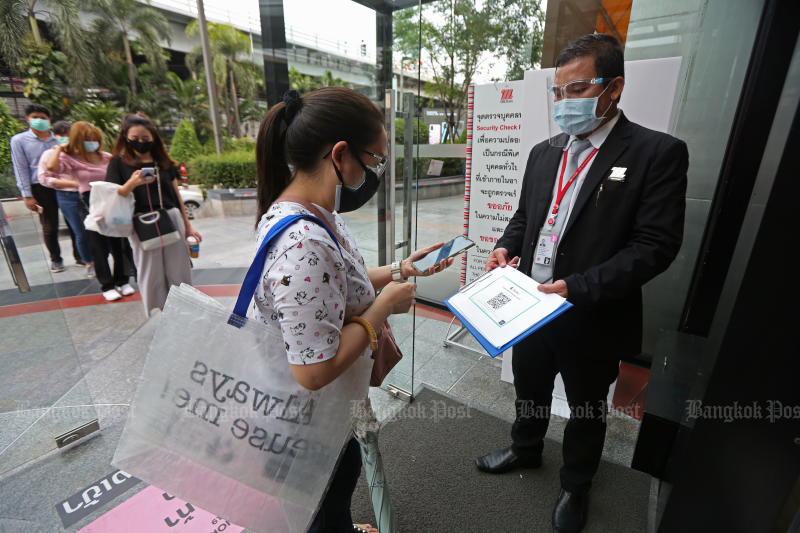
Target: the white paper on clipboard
(503, 304)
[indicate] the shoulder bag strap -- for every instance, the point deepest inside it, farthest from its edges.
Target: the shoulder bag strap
(253, 275)
(158, 186)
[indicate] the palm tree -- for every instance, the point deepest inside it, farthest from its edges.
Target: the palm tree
(119, 18)
(329, 80)
(187, 94)
(232, 74)
(19, 30)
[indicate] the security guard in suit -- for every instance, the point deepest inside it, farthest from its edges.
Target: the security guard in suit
(601, 213)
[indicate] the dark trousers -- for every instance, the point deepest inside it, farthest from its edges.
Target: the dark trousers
(100, 247)
(587, 376)
(46, 197)
(334, 513)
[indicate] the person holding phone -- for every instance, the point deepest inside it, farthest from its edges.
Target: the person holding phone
(83, 159)
(324, 153)
(142, 166)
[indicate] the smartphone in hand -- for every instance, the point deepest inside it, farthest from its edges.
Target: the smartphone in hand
(452, 248)
(148, 174)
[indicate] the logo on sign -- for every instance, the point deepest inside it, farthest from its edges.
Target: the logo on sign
(506, 95)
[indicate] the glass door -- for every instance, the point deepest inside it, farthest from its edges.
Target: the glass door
(45, 402)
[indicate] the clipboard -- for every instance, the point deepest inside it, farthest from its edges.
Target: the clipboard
(490, 348)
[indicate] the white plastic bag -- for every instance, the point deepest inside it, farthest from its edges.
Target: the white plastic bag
(218, 419)
(109, 213)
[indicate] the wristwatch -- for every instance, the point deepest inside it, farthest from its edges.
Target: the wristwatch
(397, 272)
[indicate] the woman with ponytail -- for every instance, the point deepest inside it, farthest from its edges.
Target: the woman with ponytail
(324, 153)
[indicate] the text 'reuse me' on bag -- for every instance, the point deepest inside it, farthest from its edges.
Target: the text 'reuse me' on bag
(109, 213)
(219, 421)
(155, 229)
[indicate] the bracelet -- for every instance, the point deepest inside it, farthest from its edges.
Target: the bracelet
(373, 338)
(397, 271)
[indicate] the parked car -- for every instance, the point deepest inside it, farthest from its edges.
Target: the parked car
(192, 199)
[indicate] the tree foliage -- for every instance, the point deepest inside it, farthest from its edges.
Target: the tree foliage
(9, 126)
(117, 21)
(20, 36)
(460, 37)
(234, 71)
(105, 115)
(43, 70)
(306, 82)
(185, 144)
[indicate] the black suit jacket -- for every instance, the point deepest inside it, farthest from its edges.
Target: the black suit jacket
(620, 234)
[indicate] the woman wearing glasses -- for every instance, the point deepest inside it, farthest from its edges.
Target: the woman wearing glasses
(323, 154)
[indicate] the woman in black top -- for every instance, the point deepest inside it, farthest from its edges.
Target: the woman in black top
(139, 146)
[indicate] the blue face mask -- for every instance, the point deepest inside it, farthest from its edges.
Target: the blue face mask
(62, 140)
(40, 124)
(91, 146)
(578, 115)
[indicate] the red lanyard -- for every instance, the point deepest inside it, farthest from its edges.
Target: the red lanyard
(563, 190)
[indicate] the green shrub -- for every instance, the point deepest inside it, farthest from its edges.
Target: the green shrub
(242, 144)
(420, 136)
(229, 144)
(232, 169)
(185, 145)
(9, 126)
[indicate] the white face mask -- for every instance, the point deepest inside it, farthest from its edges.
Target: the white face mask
(91, 146)
(578, 115)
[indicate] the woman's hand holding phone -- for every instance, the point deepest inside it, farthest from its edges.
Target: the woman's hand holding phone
(407, 265)
(140, 178)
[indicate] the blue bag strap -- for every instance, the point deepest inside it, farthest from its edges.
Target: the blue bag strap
(253, 276)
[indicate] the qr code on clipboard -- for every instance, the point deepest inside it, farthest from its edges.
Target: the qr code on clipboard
(498, 301)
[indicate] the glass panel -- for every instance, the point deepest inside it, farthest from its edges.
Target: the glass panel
(439, 214)
(44, 392)
(714, 40)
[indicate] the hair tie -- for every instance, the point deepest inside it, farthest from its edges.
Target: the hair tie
(292, 103)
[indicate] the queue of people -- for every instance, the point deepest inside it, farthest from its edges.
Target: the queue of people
(55, 166)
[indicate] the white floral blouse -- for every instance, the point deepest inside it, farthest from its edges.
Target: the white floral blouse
(304, 290)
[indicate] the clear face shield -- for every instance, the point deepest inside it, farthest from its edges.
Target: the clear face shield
(570, 109)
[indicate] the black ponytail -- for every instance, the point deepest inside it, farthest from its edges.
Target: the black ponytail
(271, 166)
(298, 131)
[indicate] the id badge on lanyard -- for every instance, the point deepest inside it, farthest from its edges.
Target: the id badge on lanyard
(548, 238)
(545, 247)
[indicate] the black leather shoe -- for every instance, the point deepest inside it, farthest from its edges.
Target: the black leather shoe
(506, 459)
(570, 512)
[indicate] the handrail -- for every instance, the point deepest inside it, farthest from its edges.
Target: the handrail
(439, 150)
